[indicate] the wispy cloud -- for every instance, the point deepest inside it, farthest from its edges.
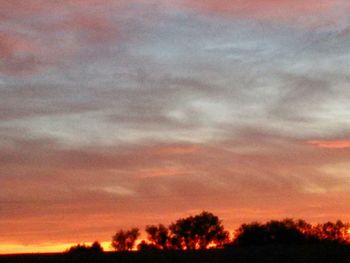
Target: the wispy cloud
(332, 144)
(310, 13)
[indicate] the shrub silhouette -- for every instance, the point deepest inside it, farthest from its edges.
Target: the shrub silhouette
(145, 246)
(198, 232)
(82, 248)
(286, 231)
(251, 234)
(125, 240)
(96, 247)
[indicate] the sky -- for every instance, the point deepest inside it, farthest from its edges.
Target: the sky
(119, 114)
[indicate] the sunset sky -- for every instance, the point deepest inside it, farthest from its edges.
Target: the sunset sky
(118, 114)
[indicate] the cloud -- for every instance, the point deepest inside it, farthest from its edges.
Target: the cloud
(331, 144)
(113, 186)
(17, 53)
(272, 10)
(43, 35)
(39, 35)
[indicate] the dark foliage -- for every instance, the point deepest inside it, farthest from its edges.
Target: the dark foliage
(289, 231)
(198, 232)
(332, 232)
(125, 240)
(158, 236)
(146, 246)
(82, 248)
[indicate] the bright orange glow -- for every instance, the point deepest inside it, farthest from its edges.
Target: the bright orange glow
(44, 248)
(340, 144)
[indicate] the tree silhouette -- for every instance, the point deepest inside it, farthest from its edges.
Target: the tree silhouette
(286, 231)
(125, 240)
(289, 231)
(332, 232)
(158, 236)
(198, 232)
(251, 234)
(96, 247)
(182, 233)
(304, 227)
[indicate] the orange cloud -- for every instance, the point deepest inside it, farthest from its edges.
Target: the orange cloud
(335, 144)
(48, 190)
(164, 171)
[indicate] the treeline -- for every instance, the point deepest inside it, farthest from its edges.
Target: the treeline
(205, 231)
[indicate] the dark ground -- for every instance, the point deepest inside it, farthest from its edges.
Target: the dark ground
(275, 254)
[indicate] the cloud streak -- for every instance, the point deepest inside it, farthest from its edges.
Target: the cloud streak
(313, 12)
(335, 144)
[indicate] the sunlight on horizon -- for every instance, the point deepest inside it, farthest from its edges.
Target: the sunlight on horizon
(45, 248)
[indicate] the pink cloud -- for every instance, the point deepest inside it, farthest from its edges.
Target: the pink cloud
(40, 34)
(332, 144)
(271, 10)
(17, 53)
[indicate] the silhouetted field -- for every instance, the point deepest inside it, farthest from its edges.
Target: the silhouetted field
(272, 253)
